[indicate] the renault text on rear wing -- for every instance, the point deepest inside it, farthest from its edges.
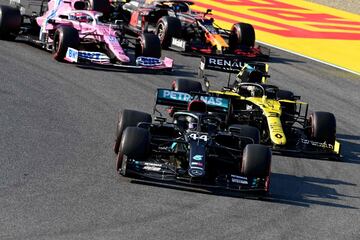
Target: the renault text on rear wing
(229, 64)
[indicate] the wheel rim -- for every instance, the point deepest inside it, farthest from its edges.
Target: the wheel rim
(123, 166)
(161, 32)
(119, 161)
(312, 130)
(56, 43)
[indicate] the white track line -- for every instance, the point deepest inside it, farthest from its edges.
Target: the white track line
(314, 59)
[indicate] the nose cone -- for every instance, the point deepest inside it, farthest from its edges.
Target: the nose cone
(278, 139)
(276, 131)
(123, 58)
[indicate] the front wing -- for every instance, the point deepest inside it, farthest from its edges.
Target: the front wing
(308, 148)
(255, 53)
(101, 60)
(167, 174)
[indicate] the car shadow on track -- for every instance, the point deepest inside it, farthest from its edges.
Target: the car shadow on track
(178, 70)
(276, 59)
(349, 149)
(305, 191)
(285, 189)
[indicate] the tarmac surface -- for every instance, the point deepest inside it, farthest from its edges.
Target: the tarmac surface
(57, 168)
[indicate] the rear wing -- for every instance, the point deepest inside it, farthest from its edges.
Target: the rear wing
(229, 64)
(180, 100)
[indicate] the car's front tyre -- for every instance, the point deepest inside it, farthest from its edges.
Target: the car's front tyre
(64, 37)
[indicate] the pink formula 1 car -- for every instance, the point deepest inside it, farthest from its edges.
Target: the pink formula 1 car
(74, 34)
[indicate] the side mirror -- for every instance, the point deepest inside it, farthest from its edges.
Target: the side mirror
(208, 11)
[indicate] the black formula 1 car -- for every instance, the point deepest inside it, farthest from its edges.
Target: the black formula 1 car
(184, 30)
(193, 148)
(280, 116)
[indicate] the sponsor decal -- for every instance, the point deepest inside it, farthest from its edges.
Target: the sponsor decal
(225, 63)
(185, 97)
(196, 136)
(235, 180)
(148, 61)
(239, 179)
(317, 144)
(94, 56)
(278, 135)
(152, 164)
(199, 164)
(155, 167)
(198, 157)
(72, 55)
(150, 168)
(196, 172)
(178, 43)
(112, 39)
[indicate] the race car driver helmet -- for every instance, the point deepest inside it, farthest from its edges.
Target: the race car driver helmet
(82, 17)
(197, 106)
(249, 74)
(180, 7)
(185, 122)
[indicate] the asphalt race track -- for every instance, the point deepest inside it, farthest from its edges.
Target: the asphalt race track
(57, 168)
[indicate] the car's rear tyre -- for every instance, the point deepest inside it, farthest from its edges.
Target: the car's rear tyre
(246, 131)
(167, 28)
(64, 37)
(128, 118)
(186, 85)
(135, 144)
(148, 46)
(243, 35)
(256, 161)
(10, 22)
(322, 127)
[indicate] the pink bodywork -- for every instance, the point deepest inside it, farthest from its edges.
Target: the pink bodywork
(90, 30)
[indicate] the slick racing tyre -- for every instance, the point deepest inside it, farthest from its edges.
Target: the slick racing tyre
(64, 37)
(167, 28)
(186, 85)
(241, 35)
(322, 127)
(148, 46)
(256, 161)
(10, 22)
(246, 131)
(135, 144)
(129, 118)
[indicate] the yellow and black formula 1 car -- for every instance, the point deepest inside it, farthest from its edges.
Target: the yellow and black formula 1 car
(281, 117)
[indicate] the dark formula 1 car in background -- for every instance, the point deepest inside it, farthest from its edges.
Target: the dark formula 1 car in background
(184, 30)
(194, 147)
(280, 116)
(76, 34)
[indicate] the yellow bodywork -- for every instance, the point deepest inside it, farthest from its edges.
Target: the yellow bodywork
(271, 109)
(337, 147)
